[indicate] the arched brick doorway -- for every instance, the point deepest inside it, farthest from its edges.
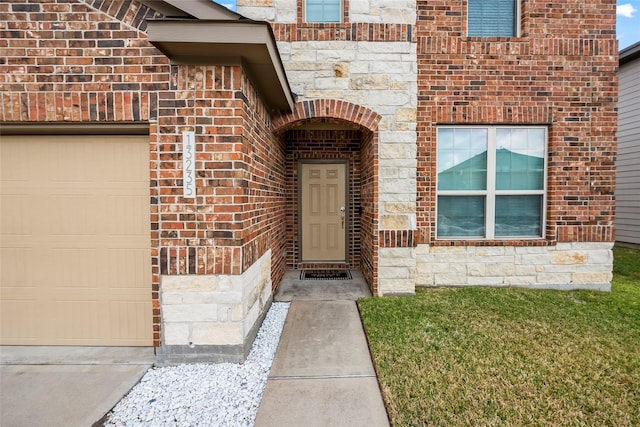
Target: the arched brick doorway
(326, 131)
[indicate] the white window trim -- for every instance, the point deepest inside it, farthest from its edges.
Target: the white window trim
(490, 193)
(304, 14)
(517, 17)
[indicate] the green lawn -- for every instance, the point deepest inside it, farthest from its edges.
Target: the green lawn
(511, 357)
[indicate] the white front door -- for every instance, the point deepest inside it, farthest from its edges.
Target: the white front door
(323, 212)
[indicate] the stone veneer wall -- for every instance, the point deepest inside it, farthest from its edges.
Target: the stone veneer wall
(290, 11)
(564, 266)
(382, 77)
(369, 60)
(213, 318)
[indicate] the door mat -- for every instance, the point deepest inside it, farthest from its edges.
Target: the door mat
(325, 275)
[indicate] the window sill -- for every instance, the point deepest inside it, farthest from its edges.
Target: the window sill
(523, 241)
(323, 25)
(494, 38)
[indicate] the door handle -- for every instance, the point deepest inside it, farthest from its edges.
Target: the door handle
(342, 212)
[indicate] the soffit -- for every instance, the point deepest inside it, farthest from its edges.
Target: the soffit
(196, 9)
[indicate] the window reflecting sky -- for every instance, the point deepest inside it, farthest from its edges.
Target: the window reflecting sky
(529, 142)
(458, 145)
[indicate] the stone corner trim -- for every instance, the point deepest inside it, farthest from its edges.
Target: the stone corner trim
(213, 318)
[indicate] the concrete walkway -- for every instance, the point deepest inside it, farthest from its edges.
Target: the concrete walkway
(322, 373)
(66, 386)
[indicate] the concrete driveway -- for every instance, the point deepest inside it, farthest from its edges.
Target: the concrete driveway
(66, 386)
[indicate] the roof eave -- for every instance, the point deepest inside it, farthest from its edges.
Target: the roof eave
(192, 9)
(250, 44)
(629, 54)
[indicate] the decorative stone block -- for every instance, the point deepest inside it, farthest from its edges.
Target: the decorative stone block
(598, 277)
(370, 82)
(500, 269)
(171, 297)
(216, 333)
(394, 273)
(569, 258)
(394, 222)
(520, 281)
(397, 151)
(398, 137)
(189, 313)
(176, 333)
(400, 207)
(450, 279)
(406, 115)
(554, 278)
(388, 286)
(476, 269)
(486, 281)
(526, 270)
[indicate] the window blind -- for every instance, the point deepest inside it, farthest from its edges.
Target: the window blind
(492, 18)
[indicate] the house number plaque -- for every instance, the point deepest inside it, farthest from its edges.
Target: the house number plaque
(189, 164)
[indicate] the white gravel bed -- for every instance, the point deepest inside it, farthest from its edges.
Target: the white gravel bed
(223, 394)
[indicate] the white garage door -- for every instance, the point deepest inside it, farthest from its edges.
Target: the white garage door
(75, 265)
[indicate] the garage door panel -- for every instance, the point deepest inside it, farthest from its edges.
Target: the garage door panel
(71, 215)
(68, 267)
(18, 221)
(75, 244)
(127, 316)
(19, 293)
(132, 269)
(126, 215)
(18, 168)
(77, 319)
(16, 267)
(65, 166)
(71, 293)
(123, 155)
(15, 321)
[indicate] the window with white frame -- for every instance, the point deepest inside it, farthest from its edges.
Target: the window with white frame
(491, 182)
(493, 18)
(322, 10)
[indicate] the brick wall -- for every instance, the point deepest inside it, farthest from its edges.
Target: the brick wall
(369, 218)
(264, 213)
(324, 145)
(81, 62)
(349, 116)
(69, 61)
(240, 183)
(222, 251)
(90, 62)
(561, 73)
